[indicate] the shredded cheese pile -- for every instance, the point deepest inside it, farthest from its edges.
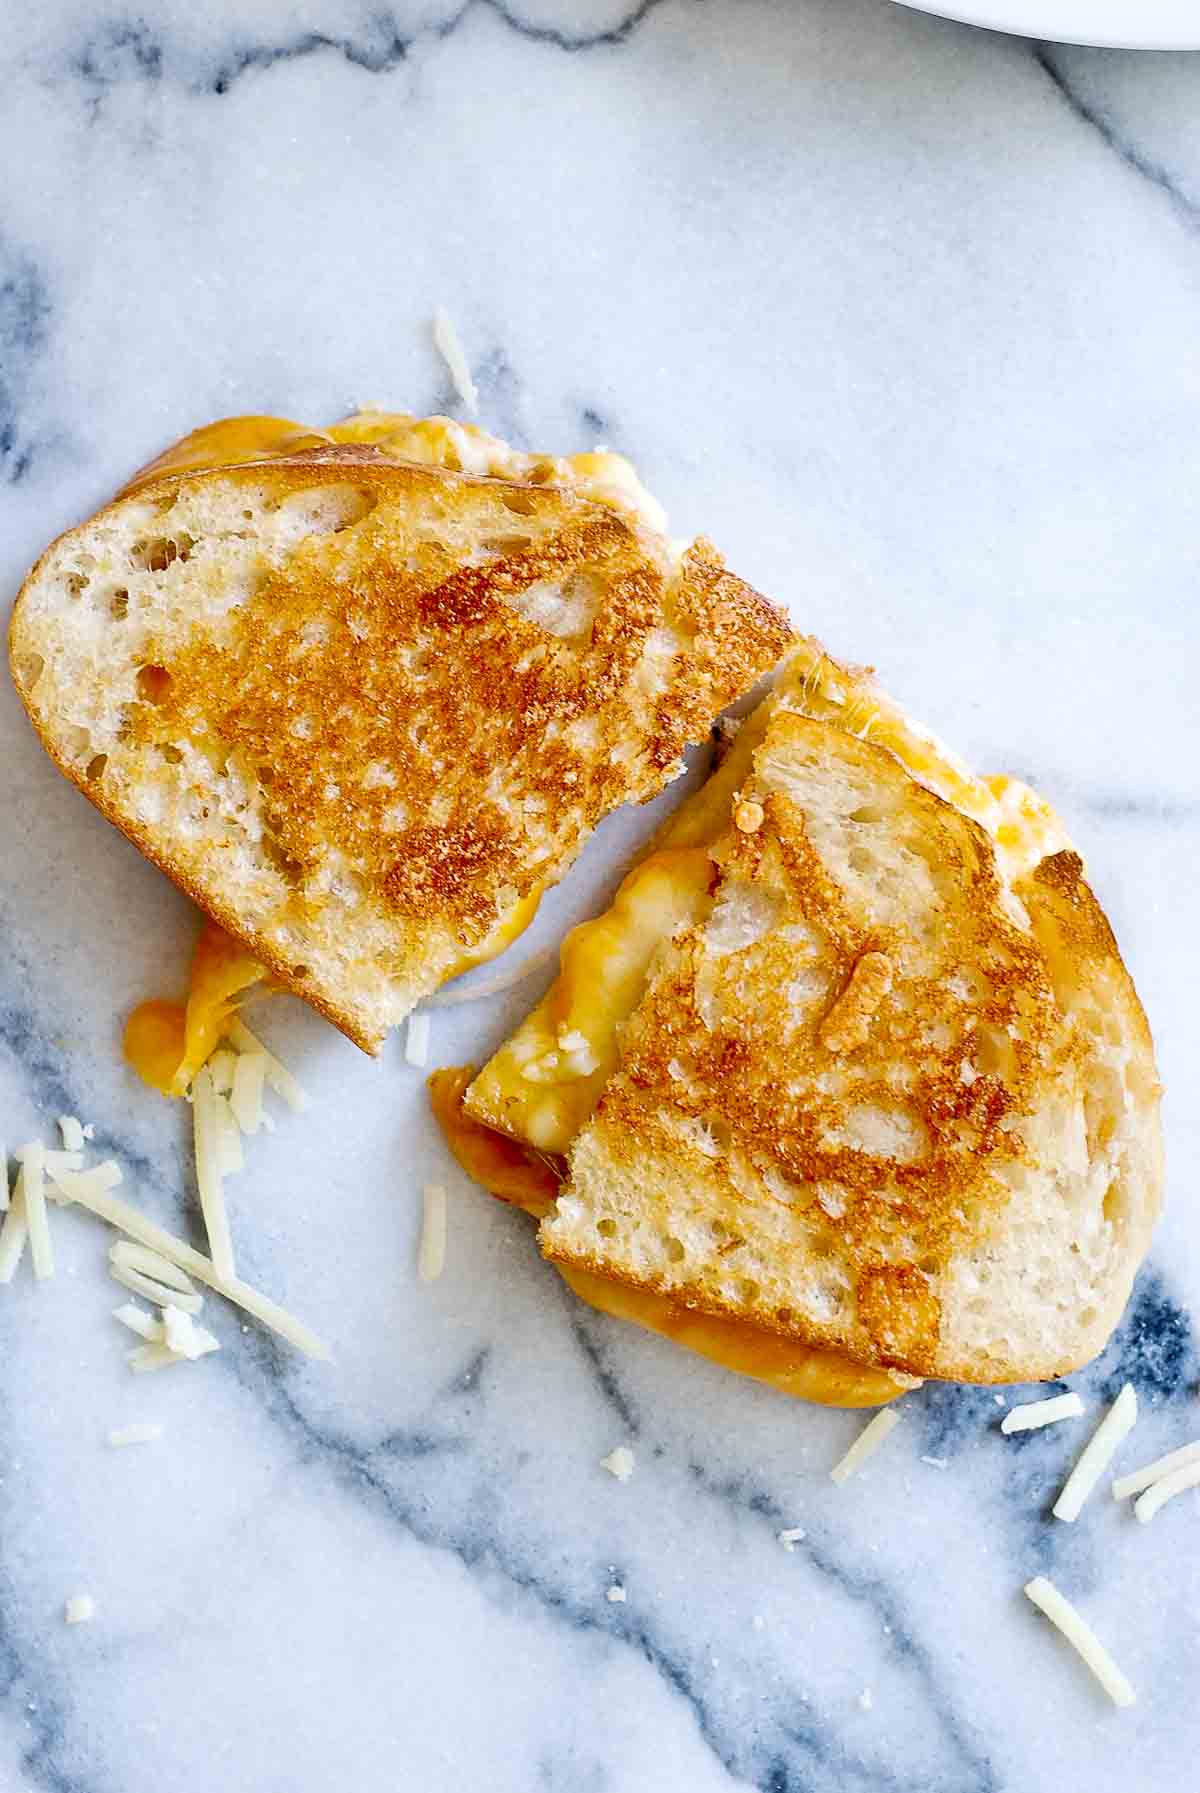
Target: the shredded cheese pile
(227, 1102)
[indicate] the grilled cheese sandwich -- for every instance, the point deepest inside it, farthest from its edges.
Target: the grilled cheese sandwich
(851, 1061)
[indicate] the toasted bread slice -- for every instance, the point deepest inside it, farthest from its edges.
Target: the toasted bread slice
(364, 710)
(853, 1059)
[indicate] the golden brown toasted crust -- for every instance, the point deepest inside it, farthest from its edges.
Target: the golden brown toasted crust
(439, 697)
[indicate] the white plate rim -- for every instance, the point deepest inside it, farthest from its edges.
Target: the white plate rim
(1108, 24)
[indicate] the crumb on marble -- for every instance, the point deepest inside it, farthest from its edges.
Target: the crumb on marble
(619, 1463)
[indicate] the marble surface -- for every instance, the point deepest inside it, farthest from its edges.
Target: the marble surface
(906, 317)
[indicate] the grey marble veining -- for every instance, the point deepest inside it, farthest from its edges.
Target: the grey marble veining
(905, 316)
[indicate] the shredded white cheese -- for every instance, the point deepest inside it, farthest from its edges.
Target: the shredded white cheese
(79, 1609)
(152, 1357)
(209, 1148)
(4, 1192)
(100, 1177)
(1041, 1413)
(14, 1232)
(150, 1290)
(132, 1256)
(794, 1535)
(866, 1444)
(177, 1332)
(416, 1039)
(1138, 1479)
(936, 1462)
(184, 1337)
(449, 347)
(619, 1463)
(277, 1075)
(229, 1135)
(431, 1258)
(222, 1065)
(1165, 1489)
(146, 1433)
(138, 1320)
(1117, 1423)
(33, 1158)
(491, 986)
(246, 1097)
(71, 1131)
(1080, 1636)
(78, 1186)
(51, 1160)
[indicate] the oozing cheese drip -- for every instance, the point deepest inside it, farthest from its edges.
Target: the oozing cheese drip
(168, 1042)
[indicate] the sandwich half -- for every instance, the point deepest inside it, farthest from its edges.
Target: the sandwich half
(364, 692)
(849, 1087)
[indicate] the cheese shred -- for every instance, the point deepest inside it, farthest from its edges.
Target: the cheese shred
(1079, 1634)
(416, 1040)
(246, 1097)
(491, 986)
(1116, 1425)
(40, 1248)
(152, 1357)
(152, 1264)
(72, 1133)
(14, 1232)
(139, 1321)
(80, 1187)
(277, 1075)
(1041, 1413)
(866, 1444)
(449, 347)
(146, 1433)
(1165, 1489)
(209, 1143)
(431, 1257)
(619, 1463)
(1137, 1479)
(150, 1290)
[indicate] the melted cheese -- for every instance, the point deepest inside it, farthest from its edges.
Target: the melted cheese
(808, 1372)
(431, 441)
(511, 1172)
(544, 1083)
(519, 1174)
(542, 1086)
(168, 1042)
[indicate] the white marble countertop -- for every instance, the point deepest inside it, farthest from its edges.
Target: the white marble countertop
(906, 317)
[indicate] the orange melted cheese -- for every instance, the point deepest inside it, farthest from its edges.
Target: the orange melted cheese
(543, 1084)
(431, 441)
(517, 1173)
(168, 1042)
